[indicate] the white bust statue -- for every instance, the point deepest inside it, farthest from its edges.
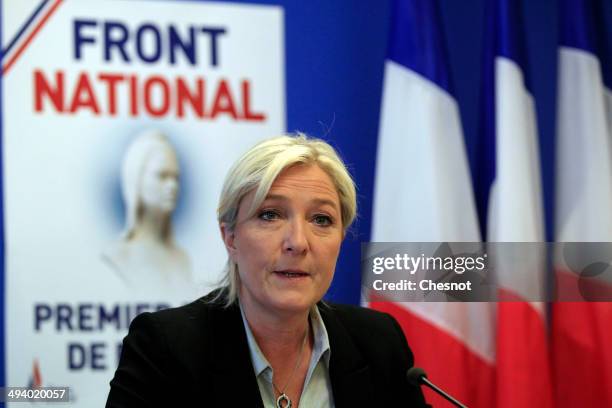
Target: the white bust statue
(146, 257)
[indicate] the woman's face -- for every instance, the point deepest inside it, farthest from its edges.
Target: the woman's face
(159, 185)
(287, 250)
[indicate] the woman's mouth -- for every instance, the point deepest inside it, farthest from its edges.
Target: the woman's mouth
(292, 274)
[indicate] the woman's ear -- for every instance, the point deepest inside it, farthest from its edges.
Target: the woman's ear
(228, 239)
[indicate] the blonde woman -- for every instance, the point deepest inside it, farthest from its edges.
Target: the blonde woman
(264, 338)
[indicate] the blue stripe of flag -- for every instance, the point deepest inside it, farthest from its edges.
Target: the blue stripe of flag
(508, 32)
(583, 25)
(577, 25)
(416, 40)
(503, 37)
(485, 147)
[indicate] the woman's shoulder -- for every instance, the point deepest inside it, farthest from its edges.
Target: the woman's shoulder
(366, 327)
(373, 335)
(191, 313)
(176, 336)
(177, 325)
(359, 317)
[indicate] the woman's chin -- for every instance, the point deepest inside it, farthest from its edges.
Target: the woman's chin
(293, 302)
(282, 299)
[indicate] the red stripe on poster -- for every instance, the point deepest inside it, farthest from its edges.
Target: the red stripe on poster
(35, 31)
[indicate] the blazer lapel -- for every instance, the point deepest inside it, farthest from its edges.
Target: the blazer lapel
(234, 379)
(348, 372)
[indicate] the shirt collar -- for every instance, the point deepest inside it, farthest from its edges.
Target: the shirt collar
(321, 348)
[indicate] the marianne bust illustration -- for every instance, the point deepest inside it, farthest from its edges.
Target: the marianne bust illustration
(146, 255)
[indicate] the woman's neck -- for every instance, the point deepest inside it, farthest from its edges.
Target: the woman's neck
(286, 341)
(282, 333)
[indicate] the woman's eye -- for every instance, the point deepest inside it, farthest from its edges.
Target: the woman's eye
(268, 215)
(322, 220)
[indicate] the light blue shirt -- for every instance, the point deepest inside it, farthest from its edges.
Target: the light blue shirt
(317, 391)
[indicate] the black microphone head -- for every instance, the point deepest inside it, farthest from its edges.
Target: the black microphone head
(415, 376)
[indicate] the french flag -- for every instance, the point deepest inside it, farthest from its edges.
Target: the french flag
(423, 193)
(509, 196)
(581, 332)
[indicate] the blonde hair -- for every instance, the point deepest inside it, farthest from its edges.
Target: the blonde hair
(256, 171)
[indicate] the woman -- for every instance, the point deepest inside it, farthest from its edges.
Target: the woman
(146, 257)
(265, 338)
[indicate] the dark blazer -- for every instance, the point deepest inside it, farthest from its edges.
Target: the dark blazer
(198, 355)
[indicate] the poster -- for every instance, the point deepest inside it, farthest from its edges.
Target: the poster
(120, 120)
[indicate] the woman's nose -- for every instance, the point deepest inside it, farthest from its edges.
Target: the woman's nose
(295, 240)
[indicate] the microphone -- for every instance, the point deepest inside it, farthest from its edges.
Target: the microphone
(417, 376)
